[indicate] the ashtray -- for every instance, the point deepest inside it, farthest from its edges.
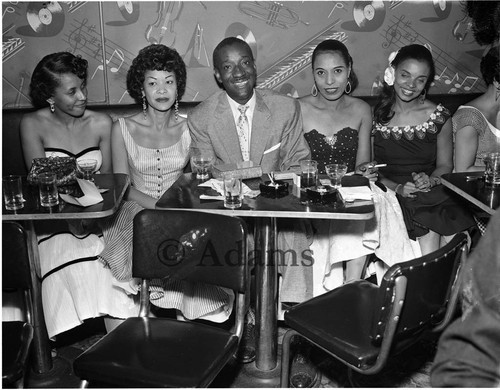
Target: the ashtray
(277, 190)
(322, 194)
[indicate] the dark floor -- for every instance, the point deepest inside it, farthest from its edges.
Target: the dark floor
(409, 369)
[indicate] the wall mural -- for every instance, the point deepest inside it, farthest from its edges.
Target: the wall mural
(282, 36)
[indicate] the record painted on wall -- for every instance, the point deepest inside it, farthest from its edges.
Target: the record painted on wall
(44, 19)
(442, 8)
(368, 16)
(129, 11)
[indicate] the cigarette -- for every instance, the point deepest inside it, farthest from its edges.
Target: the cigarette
(378, 166)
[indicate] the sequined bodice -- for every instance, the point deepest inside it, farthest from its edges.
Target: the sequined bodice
(342, 147)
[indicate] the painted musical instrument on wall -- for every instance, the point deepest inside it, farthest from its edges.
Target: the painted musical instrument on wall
(273, 13)
(162, 30)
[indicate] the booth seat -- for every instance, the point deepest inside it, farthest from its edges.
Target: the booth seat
(12, 157)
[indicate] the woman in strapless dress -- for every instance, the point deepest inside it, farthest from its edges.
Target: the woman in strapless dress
(76, 284)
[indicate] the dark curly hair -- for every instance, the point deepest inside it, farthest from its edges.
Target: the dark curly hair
(155, 57)
(490, 65)
(337, 46)
(383, 112)
(485, 17)
(46, 76)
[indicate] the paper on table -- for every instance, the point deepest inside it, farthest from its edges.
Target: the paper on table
(91, 194)
(355, 193)
(218, 186)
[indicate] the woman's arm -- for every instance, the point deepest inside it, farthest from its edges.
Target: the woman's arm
(31, 140)
(466, 143)
(120, 165)
(105, 144)
(444, 161)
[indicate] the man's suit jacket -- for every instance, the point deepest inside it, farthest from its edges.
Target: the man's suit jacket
(277, 140)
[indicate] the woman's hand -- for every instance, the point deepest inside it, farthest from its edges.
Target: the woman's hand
(422, 181)
(406, 190)
(368, 170)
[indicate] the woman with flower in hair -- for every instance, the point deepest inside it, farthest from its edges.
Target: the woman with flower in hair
(413, 136)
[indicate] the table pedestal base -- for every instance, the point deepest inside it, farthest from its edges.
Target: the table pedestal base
(61, 368)
(259, 378)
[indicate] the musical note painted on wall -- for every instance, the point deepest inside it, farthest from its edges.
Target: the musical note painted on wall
(338, 5)
(115, 68)
(162, 30)
(399, 30)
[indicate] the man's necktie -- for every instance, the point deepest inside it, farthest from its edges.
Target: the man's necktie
(244, 133)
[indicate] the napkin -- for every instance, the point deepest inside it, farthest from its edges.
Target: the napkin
(91, 194)
(218, 186)
(355, 193)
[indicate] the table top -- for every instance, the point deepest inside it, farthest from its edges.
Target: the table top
(116, 183)
(185, 194)
(472, 187)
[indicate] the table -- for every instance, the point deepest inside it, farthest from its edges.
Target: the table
(184, 194)
(32, 211)
(471, 186)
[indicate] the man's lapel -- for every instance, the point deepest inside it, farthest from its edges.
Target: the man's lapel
(226, 132)
(261, 129)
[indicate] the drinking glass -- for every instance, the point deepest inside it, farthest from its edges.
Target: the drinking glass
(13, 192)
(308, 173)
(87, 167)
(336, 172)
(492, 168)
(233, 190)
(48, 189)
(201, 164)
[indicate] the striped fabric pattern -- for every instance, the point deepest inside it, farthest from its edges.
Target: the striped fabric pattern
(153, 171)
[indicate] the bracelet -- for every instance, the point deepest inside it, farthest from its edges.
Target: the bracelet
(397, 187)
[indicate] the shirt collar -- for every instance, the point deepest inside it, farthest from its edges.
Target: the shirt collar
(249, 112)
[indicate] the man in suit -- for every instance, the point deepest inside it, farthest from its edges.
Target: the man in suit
(241, 123)
(272, 135)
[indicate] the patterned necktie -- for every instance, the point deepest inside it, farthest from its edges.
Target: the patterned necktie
(243, 133)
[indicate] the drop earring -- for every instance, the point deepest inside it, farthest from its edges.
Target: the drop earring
(52, 107)
(144, 107)
(350, 88)
(176, 109)
(314, 90)
(422, 97)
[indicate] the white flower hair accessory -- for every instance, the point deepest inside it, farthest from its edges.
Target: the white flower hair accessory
(389, 71)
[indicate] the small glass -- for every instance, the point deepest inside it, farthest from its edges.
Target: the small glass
(87, 168)
(13, 192)
(201, 164)
(48, 189)
(233, 191)
(308, 173)
(492, 168)
(336, 172)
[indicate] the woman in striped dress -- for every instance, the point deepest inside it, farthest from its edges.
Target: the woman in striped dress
(152, 147)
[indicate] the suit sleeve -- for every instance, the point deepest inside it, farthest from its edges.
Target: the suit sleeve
(200, 139)
(294, 147)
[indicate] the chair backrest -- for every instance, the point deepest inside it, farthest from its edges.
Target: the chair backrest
(417, 295)
(191, 245)
(15, 261)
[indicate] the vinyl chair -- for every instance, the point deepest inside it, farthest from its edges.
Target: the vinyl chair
(146, 351)
(16, 335)
(361, 324)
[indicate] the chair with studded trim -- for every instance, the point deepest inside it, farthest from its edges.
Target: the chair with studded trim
(148, 351)
(361, 324)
